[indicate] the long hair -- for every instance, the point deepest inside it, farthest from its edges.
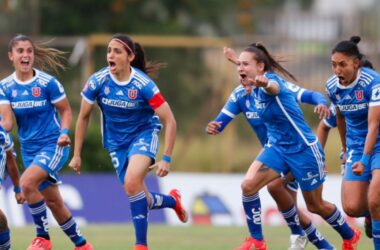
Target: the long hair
(44, 58)
(139, 61)
(270, 64)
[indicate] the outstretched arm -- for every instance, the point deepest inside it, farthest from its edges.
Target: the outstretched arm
(14, 174)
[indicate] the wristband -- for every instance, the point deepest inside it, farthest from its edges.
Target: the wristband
(167, 158)
(365, 159)
(268, 85)
(17, 190)
(64, 131)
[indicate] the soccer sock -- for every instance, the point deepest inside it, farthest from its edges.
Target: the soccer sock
(376, 233)
(252, 208)
(316, 238)
(337, 221)
(293, 221)
(39, 214)
(71, 229)
(139, 211)
(5, 240)
(161, 201)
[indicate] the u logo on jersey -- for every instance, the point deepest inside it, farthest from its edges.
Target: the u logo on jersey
(36, 91)
(359, 95)
(132, 93)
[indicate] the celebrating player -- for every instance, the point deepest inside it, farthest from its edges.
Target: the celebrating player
(132, 107)
(34, 97)
(354, 90)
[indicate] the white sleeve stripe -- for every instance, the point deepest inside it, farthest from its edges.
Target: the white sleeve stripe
(371, 104)
(327, 123)
(299, 95)
(59, 99)
(86, 99)
(4, 102)
(228, 113)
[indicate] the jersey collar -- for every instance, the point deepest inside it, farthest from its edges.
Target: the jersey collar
(14, 76)
(351, 85)
(124, 83)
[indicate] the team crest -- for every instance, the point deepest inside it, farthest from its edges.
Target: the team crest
(14, 93)
(132, 93)
(359, 95)
(36, 91)
(247, 103)
(107, 90)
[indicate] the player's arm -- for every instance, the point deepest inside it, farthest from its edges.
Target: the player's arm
(217, 126)
(80, 133)
(230, 55)
(318, 99)
(341, 124)
(6, 116)
(65, 113)
(323, 132)
(14, 174)
(370, 141)
(166, 116)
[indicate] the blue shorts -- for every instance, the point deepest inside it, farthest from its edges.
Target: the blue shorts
(354, 155)
(292, 185)
(145, 143)
(306, 166)
(50, 158)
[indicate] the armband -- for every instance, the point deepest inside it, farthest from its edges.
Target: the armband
(365, 159)
(167, 158)
(17, 190)
(64, 131)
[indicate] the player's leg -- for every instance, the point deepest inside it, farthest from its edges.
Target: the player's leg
(5, 241)
(135, 189)
(64, 217)
(374, 198)
(257, 176)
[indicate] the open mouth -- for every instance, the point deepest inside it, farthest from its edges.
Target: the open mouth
(25, 62)
(341, 78)
(243, 76)
(112, 65)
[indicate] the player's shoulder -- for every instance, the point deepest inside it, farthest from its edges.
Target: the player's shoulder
(139, 78)
(7, 81)
(44, 78)
(332, 84)
(368, 76)
(238, 93)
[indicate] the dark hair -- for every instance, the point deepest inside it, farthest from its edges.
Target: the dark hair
(349, 48)
(139, 61)
(45, 58)
(270, 64)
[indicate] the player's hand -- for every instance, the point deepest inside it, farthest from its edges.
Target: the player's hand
(75, 164)
(322, 110)
(213, 127)
(162, 168)
(358, 168)
(230, 54)
(20, 198)
(261, 81)
(63, 140)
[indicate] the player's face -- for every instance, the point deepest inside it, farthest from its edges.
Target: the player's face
(117, 57)
(345, 67)
(22, 57)
(248, 68)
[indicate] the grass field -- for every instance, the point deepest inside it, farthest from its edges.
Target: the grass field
(118, 237)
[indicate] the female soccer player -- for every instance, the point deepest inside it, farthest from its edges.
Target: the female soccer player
(291, 147)
(34, 97)
(8, 166)
(284, 192)
(132, 107)
(355, 91)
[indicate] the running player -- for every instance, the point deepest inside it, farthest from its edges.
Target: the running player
(291, 147)
(34, 97)
(283, 190)
(354, 90)
(132, 107)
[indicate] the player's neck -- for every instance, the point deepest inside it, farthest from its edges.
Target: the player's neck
(123, 75)
(24, 76)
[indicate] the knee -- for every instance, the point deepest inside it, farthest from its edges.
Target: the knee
(247, 188)
(352, 210)
(132, 187)
(275, 188)
(314, 207)
(53, 204)
(374, 205)
(27, 186)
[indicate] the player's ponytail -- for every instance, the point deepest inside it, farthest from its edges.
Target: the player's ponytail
(349, 47)
(270, 64)
(44, 58)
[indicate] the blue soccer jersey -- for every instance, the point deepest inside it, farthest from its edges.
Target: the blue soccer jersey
(127, 107)
(33, 105)
(331, 121)
(353, 102)
(283, 117)
(242, 102)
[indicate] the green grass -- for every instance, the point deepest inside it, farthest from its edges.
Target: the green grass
(162, 237)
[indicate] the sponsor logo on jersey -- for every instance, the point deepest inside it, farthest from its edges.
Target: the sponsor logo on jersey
(118, 103)
(36, 91)
(359, 95)
(353, 107)
(28, 104)
(132, 94)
